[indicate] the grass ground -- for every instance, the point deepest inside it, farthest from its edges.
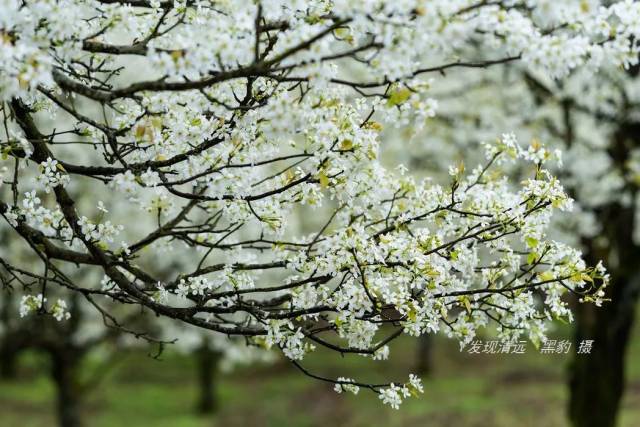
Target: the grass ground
(465, 391)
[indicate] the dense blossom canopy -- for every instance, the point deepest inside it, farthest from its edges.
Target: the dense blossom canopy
(173, 145)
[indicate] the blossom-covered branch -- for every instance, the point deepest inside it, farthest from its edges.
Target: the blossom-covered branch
(173, 146)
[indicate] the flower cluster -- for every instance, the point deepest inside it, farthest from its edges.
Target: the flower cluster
(59, 310)
(346, 384)
(52, 175)
(394, 394)
(290, 341)
(102, 232)
(31, 303)
(34, 303)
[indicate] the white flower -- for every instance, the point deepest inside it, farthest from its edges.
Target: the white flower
(392, 396)
(31, 303)
(59, 311)
(343, 385)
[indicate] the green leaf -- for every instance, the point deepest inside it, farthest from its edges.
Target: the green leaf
(546, 276)
(346, 144)
(399, 96)
(531, 242)
(466, 303)
(324, 180)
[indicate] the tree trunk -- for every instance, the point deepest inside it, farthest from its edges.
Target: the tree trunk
(207, 376)
(424, 355)
(8, 362)
(65, 375)
(11, 343)
(597, 379)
